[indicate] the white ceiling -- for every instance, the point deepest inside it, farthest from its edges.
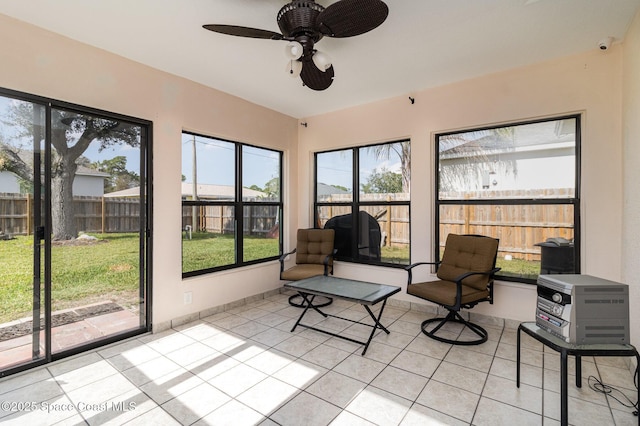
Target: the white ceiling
(422, 44)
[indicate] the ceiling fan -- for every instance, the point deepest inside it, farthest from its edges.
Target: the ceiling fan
(304, 22)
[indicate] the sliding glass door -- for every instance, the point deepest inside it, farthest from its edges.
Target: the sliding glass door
(22, 138)
(73, 230)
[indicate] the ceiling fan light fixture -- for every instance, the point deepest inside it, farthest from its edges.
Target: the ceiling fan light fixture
(294, 50)
(303, 23)
(294, 68)
(322, 61)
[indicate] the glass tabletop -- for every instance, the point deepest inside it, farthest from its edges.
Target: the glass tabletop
(357, 291)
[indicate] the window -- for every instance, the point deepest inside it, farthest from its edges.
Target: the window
(518, 183)
(372, 224)
(231, 204)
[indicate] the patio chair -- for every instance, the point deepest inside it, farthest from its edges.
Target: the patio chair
(314, 256)
(465, 278)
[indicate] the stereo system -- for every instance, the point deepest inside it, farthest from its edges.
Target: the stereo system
(582, 309)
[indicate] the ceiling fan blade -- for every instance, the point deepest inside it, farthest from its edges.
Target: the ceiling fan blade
(348, 18)
(315, 79)
(235, 30)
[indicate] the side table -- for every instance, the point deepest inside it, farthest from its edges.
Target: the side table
(566, 349)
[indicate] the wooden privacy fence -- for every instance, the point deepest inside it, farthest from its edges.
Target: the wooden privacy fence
(258, 220)
(519, 227)
(93, 214)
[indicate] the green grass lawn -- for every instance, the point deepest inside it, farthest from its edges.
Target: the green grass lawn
(397, 255)
(81, 274)
(208, 250)
(519, 268)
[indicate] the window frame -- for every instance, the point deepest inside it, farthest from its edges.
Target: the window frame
(573, 201)
(238, 205)
(356, 203)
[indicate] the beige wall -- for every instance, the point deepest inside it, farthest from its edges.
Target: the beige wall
(631, 166)
(45, 64)
(589, 83)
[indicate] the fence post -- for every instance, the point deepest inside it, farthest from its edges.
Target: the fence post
(104, 214)
(469, 211)
(29, 213)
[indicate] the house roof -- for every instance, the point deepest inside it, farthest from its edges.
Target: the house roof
(525, 137)
(324, 190)
(204, 191)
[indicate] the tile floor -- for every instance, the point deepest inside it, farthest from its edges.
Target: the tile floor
(245, 367)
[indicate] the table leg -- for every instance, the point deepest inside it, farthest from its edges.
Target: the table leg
(564, 399)
(314, 307)
(307, 305)
(518, 359)
(578, 371)
(377, 324)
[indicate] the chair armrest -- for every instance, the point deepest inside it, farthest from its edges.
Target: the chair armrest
(460, 278)
(413, 265)
(326, 261)
(283, 257)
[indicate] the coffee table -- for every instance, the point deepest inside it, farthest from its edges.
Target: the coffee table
(364, 293)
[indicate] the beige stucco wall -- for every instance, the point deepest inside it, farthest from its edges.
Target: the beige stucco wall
(631, 166)
(45, 64)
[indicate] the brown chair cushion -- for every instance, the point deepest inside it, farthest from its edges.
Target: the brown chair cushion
(444, 292)
(314, 245)
(300, 272)
(465, 253)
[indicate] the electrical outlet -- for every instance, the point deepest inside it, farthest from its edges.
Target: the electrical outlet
(188, 297)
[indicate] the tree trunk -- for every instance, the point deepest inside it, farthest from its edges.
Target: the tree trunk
(62, 211)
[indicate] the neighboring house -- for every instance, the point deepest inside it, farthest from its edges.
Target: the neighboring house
(89, 182)
(540, 156)
(9, 183)
(204, 191)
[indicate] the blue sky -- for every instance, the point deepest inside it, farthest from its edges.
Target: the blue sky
(335, 168)
(216, 162)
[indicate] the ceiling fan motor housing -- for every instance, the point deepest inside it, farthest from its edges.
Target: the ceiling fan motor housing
(299, 18)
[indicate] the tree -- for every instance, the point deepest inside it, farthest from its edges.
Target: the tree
(120, 178)
(71, 135)
(272, 188)
(383, 182)
(403, 151)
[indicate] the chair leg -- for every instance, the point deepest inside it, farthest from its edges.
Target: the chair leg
(297, 301)
(454, 316)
